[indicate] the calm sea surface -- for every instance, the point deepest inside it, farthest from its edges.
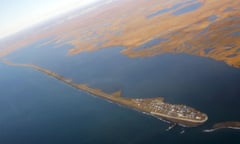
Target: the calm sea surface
(36, 108)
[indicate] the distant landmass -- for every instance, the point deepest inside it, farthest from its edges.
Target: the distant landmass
(197, 27)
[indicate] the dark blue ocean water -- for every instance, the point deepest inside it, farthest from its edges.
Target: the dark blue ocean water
(36, 108)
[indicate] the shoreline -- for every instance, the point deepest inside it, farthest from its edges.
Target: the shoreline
(235, 125)
(149, 106)
(213, 130)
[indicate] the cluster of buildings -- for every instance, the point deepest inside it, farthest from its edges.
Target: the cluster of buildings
(158, 106)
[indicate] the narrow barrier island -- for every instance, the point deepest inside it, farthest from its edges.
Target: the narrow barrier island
(178, 114)
(224, 125)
